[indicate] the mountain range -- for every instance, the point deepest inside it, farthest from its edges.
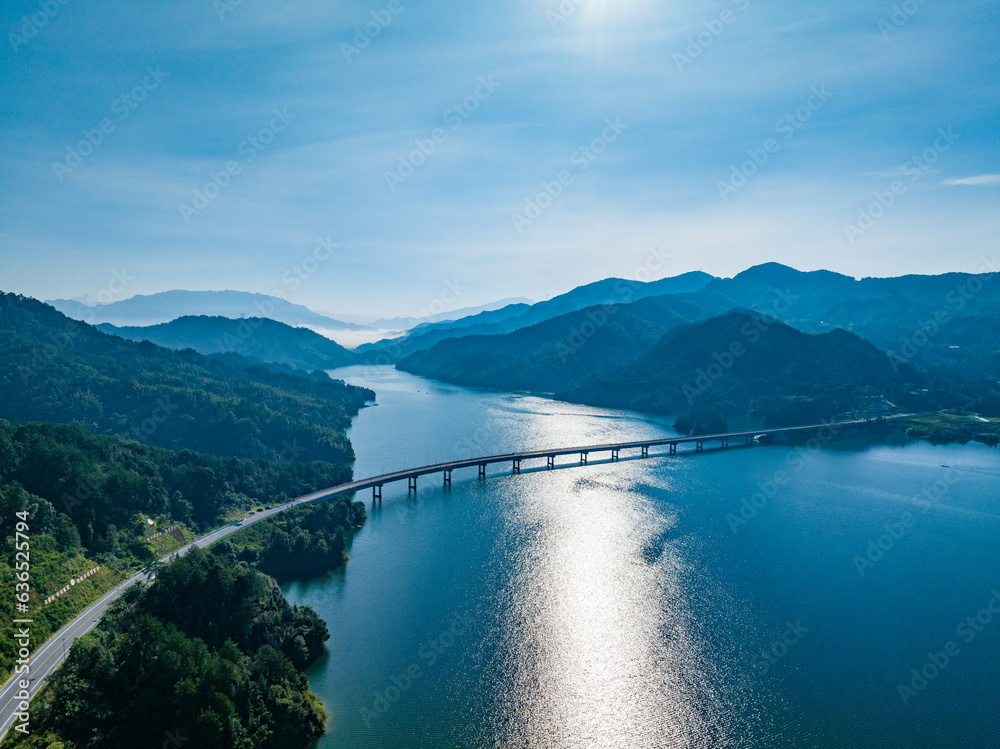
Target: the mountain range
(942, 331)
(258, 339)
(53, 368)
(166, 306)
(613, 337)
(744, 362)
(516, 317)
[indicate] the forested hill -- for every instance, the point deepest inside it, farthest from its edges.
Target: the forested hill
(948, 322)
(94, 500)
(256, 338)
(556, 354)
(53, 368)
(743, 362)
(610, 292)
(943, 325)
(211, 655)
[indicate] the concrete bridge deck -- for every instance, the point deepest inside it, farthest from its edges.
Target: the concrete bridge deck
(47, 658)
(729, 439)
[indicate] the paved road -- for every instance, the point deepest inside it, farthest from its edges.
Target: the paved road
(49, 657)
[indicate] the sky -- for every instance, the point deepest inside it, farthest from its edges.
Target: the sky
(395, 156)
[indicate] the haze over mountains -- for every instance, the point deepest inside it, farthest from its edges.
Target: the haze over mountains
(516, 317)
(744, 362)
(259, 339)
(930, 321)
(55, 369)
(634, 344)
(166, 306)
(405, 323)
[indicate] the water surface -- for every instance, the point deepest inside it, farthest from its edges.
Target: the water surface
(728, 599)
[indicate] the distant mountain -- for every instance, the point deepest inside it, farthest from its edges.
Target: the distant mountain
(555, 354)
(486, 317)
(615, 291)
(407, 323)
(901, 315)
(805, 295)
(742, 362)
(53, 368)
(612, 291)
(169, 305)
(423, 337)
(255, 338)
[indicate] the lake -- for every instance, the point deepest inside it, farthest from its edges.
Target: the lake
(767, 597)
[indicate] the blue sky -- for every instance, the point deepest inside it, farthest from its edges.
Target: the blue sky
(506, 97)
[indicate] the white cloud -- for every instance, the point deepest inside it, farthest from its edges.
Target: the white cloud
(980, 180)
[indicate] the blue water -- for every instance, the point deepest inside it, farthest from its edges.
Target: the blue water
(649, 603)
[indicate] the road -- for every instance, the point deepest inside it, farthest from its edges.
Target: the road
(49, 657)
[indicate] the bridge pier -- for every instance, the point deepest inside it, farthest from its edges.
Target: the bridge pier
(377, 494)
(645, 451)
(583, 459)
(517, 466)
(412, 484)
(614, 456)
(447, 477)
(550, 462)
(673, 448)
(699, 446)
(482, 472)
(725, 442)
(748, 441)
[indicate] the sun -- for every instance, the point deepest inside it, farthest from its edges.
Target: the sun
(592, 12)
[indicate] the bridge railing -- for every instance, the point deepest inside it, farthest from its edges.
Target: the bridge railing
(375, 483)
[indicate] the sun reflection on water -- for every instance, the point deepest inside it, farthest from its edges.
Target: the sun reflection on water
(601, 652)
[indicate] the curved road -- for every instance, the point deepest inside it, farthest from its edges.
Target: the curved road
(50, 656)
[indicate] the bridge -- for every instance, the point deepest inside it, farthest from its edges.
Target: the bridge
(48, 658)
(614, 451)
